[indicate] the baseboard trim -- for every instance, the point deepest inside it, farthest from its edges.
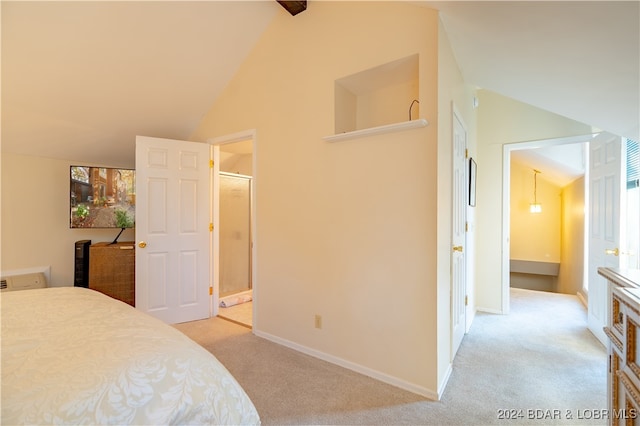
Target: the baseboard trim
(445, 381)
(582, 299)
(385, 378)
(489, 311)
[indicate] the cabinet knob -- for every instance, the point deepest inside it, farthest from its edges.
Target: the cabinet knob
(142, 244)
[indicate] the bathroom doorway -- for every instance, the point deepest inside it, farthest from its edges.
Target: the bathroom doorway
(234, 226)
(235, 234)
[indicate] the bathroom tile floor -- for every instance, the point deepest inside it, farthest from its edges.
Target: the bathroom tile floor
(240, 314)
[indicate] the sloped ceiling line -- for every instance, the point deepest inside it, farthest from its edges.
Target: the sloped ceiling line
(81, 79)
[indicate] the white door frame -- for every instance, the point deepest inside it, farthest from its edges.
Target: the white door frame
(506, 190)
(215, 252)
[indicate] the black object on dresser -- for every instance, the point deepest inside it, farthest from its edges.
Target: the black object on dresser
(81, 257)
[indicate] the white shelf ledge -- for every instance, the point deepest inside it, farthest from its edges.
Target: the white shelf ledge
(390, 128)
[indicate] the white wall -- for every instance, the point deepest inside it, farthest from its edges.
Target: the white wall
(501, 121)
(344, 230)
(35, 217)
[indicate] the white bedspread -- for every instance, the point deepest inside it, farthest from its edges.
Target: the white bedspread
(75, 356)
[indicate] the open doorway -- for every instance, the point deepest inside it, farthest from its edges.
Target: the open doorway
(547, 215)
(573, 200)
(538, 264)
(236, 287)
(234, 218)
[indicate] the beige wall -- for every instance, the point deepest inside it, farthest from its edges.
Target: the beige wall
(534, 236)
(571, 277)
(451, 91)
(387, 105)
(345, 230)
(555, 235)
(35, 217)
(503, 121)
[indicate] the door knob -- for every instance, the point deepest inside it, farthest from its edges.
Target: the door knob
(142, 244)
(457, 248)
(614, 251)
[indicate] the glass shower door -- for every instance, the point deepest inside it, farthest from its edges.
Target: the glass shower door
(235, 233)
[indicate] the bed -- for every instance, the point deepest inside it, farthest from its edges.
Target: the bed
(71, 355)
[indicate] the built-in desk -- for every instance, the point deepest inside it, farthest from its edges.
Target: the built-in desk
(534, 275)
(623, 331)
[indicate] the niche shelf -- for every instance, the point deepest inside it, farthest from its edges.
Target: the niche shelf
(378, 100)
(389, 128)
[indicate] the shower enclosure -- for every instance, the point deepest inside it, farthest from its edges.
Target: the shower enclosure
(235, 233)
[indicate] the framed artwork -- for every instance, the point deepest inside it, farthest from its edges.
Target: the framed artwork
(472, 182)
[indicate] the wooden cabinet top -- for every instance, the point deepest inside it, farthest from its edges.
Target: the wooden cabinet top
(125, 245)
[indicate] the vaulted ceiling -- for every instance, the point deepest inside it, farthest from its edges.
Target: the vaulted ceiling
(578, 59)
(81, 79)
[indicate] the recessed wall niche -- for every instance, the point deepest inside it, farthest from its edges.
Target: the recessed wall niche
(378, 96)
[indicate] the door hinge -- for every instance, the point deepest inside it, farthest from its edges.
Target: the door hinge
(211, 164)
(466, 300)
(211, 227)
(466, 227)
(466, 153)
(210, 291)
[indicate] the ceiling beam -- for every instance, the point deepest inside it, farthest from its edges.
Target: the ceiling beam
(293, 7)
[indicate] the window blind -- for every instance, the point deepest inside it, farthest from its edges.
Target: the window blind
(633, 164)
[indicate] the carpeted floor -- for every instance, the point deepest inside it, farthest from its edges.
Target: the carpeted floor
(538, 364)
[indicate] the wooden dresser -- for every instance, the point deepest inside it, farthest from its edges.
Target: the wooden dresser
(112, 270)
(623, 331)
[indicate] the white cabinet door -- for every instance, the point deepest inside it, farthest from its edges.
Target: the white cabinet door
(172, 229)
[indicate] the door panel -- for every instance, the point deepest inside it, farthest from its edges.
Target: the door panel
(605, 174)
(458, 260)
(172, 229)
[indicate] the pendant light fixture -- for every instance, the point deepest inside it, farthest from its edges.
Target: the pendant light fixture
(535, 207)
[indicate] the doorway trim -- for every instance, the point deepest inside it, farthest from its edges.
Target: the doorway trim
(245, 135)
(507, 148)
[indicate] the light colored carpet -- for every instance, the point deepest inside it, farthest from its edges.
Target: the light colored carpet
(539, 357)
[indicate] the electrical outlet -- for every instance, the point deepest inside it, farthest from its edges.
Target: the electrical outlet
(318, 321)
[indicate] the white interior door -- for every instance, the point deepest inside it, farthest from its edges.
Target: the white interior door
(172, 229)
(605, 177)
(458, 259)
